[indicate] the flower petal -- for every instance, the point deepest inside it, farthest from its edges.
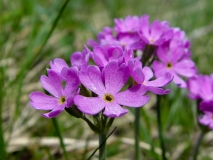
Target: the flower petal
(159, 91)
(57, 64)
(72, 81)
(159, 68)
(115, 77)
(114, 110)
(185, 68)
(42, 101)
(179, 81)
(133, 97)
(206, 106)
(148, 73)
(52, 114)
(156, 29)
(92, 80)
(52, 83)
(89, 105)
(145, 25)
(160, 81)
(138, 75)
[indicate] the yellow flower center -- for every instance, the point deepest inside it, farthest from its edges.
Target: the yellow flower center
(62, 100)
(108, 98)
(151, 40)
(169, 65)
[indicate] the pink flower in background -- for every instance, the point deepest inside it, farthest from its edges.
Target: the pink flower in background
(194, 85)
(173, 61)
(105, 35)
(128, 25)
(107, 84)
(80, 59)
(62, 97)
(57, 65)
(143, 75)
(107, 52)
(201, 88)
(206, 119)
(155, 34)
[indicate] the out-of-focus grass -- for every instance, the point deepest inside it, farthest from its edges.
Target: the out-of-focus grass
(24, 26)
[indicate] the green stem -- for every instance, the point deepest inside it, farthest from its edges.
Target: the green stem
(137, 133)
(55, 123)
(160, 129)
(199, 140)
(2, 143)
(102, 144)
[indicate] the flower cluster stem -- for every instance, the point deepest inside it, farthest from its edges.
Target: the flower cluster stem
(137, 133)
(160, 129)
(102, 144)
(55, 123)
(198, 143)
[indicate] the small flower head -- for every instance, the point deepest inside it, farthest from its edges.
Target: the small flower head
(207, 119)
(155, 34)
(173, 61)
(143, 75)
(62, 97)
(107, 85)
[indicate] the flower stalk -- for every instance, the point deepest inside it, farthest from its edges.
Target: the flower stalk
(102, 144)
(198, 143)
(160, 129)
(137, 133)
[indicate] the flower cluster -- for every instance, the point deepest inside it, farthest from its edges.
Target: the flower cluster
(201, 89)
(123, 60)
(172, 48)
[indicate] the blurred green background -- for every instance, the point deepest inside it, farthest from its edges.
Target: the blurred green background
(26, 47)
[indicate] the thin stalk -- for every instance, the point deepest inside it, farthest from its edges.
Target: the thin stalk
(160, 129)
(55, 123)
(102, 144)
(137, 133)
(2, 143)
(198, 143)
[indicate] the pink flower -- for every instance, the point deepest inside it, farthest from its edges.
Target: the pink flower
(173, 61)
(207, 119)
(57, 65)
(62, 97)
(143, 75)
(107, 84)
(127, 25)
(155, 34)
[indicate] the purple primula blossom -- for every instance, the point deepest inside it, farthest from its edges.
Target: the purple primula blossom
(174, 61)
(107, 52)
(62, 97)
(206, 119)
(80, 59)
(127, 25)
(155, 34)
(194, 85)
(201, 89)
(131, 41)
(179, 38)
(105, 35)
(57, 65)
(107, 84)
(143, 75)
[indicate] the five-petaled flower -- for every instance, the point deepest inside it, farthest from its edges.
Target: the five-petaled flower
(62, 97)
(107, 85)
